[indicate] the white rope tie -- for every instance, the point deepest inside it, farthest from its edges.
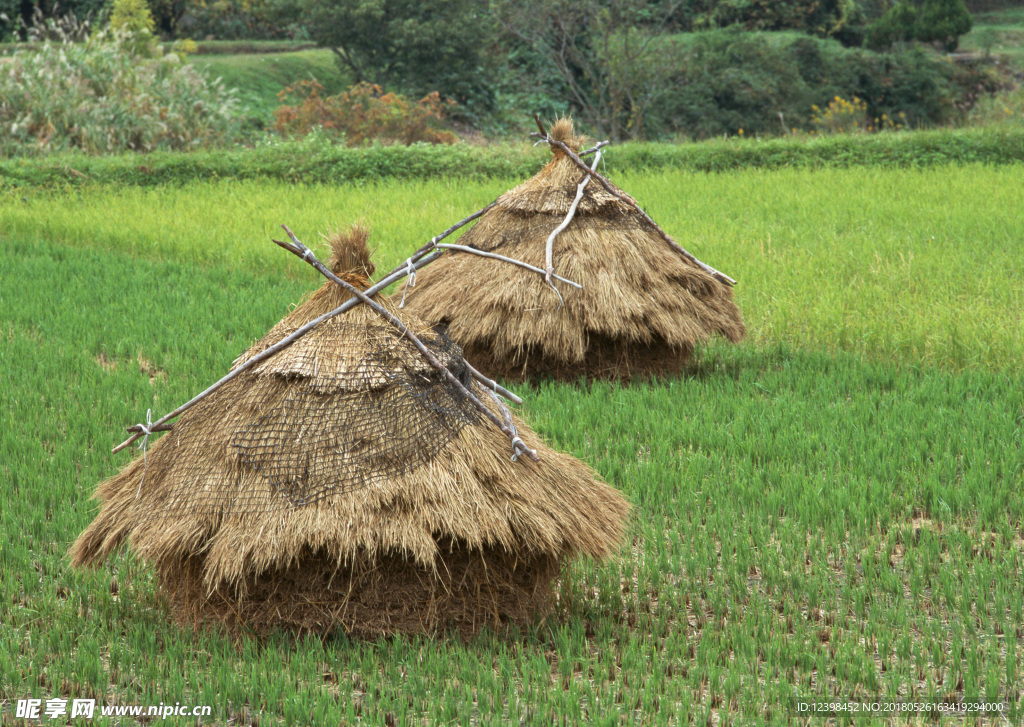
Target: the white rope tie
(518, 445)
(410, 270)
(518, 448)
(144, 428)
(308, 255)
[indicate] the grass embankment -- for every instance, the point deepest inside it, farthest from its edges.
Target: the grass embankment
(1000, 32)
(894, 264)
(831, 511)
(235, 47)
(314, 162)
(260, 76)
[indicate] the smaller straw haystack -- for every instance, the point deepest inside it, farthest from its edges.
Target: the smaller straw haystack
(343, 483)
(643, 306)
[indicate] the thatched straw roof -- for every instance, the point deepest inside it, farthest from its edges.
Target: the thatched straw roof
(341, 454)
(642, 309)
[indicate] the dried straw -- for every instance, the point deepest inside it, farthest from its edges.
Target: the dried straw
(642, 309)
(460, 538)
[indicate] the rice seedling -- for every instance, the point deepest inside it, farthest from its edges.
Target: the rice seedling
(894, 264)
(811, 525)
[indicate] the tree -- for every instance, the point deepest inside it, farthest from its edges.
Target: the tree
(943, 21)
(897, 25)
(614, 56)
(132, 16)
(416, 46)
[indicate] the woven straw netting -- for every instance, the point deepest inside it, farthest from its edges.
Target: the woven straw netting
(642, 309)
(340, 455)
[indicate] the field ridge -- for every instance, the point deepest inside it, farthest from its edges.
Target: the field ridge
(318, 162)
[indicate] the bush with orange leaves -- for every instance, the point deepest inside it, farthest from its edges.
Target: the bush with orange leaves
(364, 113)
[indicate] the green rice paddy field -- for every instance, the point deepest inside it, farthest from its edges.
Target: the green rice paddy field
(832, 511)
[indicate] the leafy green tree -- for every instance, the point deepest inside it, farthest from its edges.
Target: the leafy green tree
(943, 21)
(897, 25)
(10, 11)
(614, 57)
(132, 16)
(416, 46)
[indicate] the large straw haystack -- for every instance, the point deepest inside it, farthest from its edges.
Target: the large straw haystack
(643, 306)
(343, 483)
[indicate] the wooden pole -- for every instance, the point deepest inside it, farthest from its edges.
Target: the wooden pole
(720, 276)
(423, 256)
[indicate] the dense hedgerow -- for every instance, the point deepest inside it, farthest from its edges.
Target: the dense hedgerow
(767, 83)
(253, 20)
(108, 94)
(316, 160)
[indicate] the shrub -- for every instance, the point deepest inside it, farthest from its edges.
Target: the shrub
(364, 113)
(842, 116)
(184, 48)
(943, 21)
(896, 26)
(102, 96)
(415, 46)
(133, 19)
(311, 161)
(132, 16)
(238, 20)
(914, 82)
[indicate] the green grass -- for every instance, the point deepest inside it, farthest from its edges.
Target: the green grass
(893, 264)
(809, 527)
(831, 511)
(259, 77)
(1005, 27)
(228, 47)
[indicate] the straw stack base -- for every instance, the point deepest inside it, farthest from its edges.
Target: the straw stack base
(469, 591)
(605, 358)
